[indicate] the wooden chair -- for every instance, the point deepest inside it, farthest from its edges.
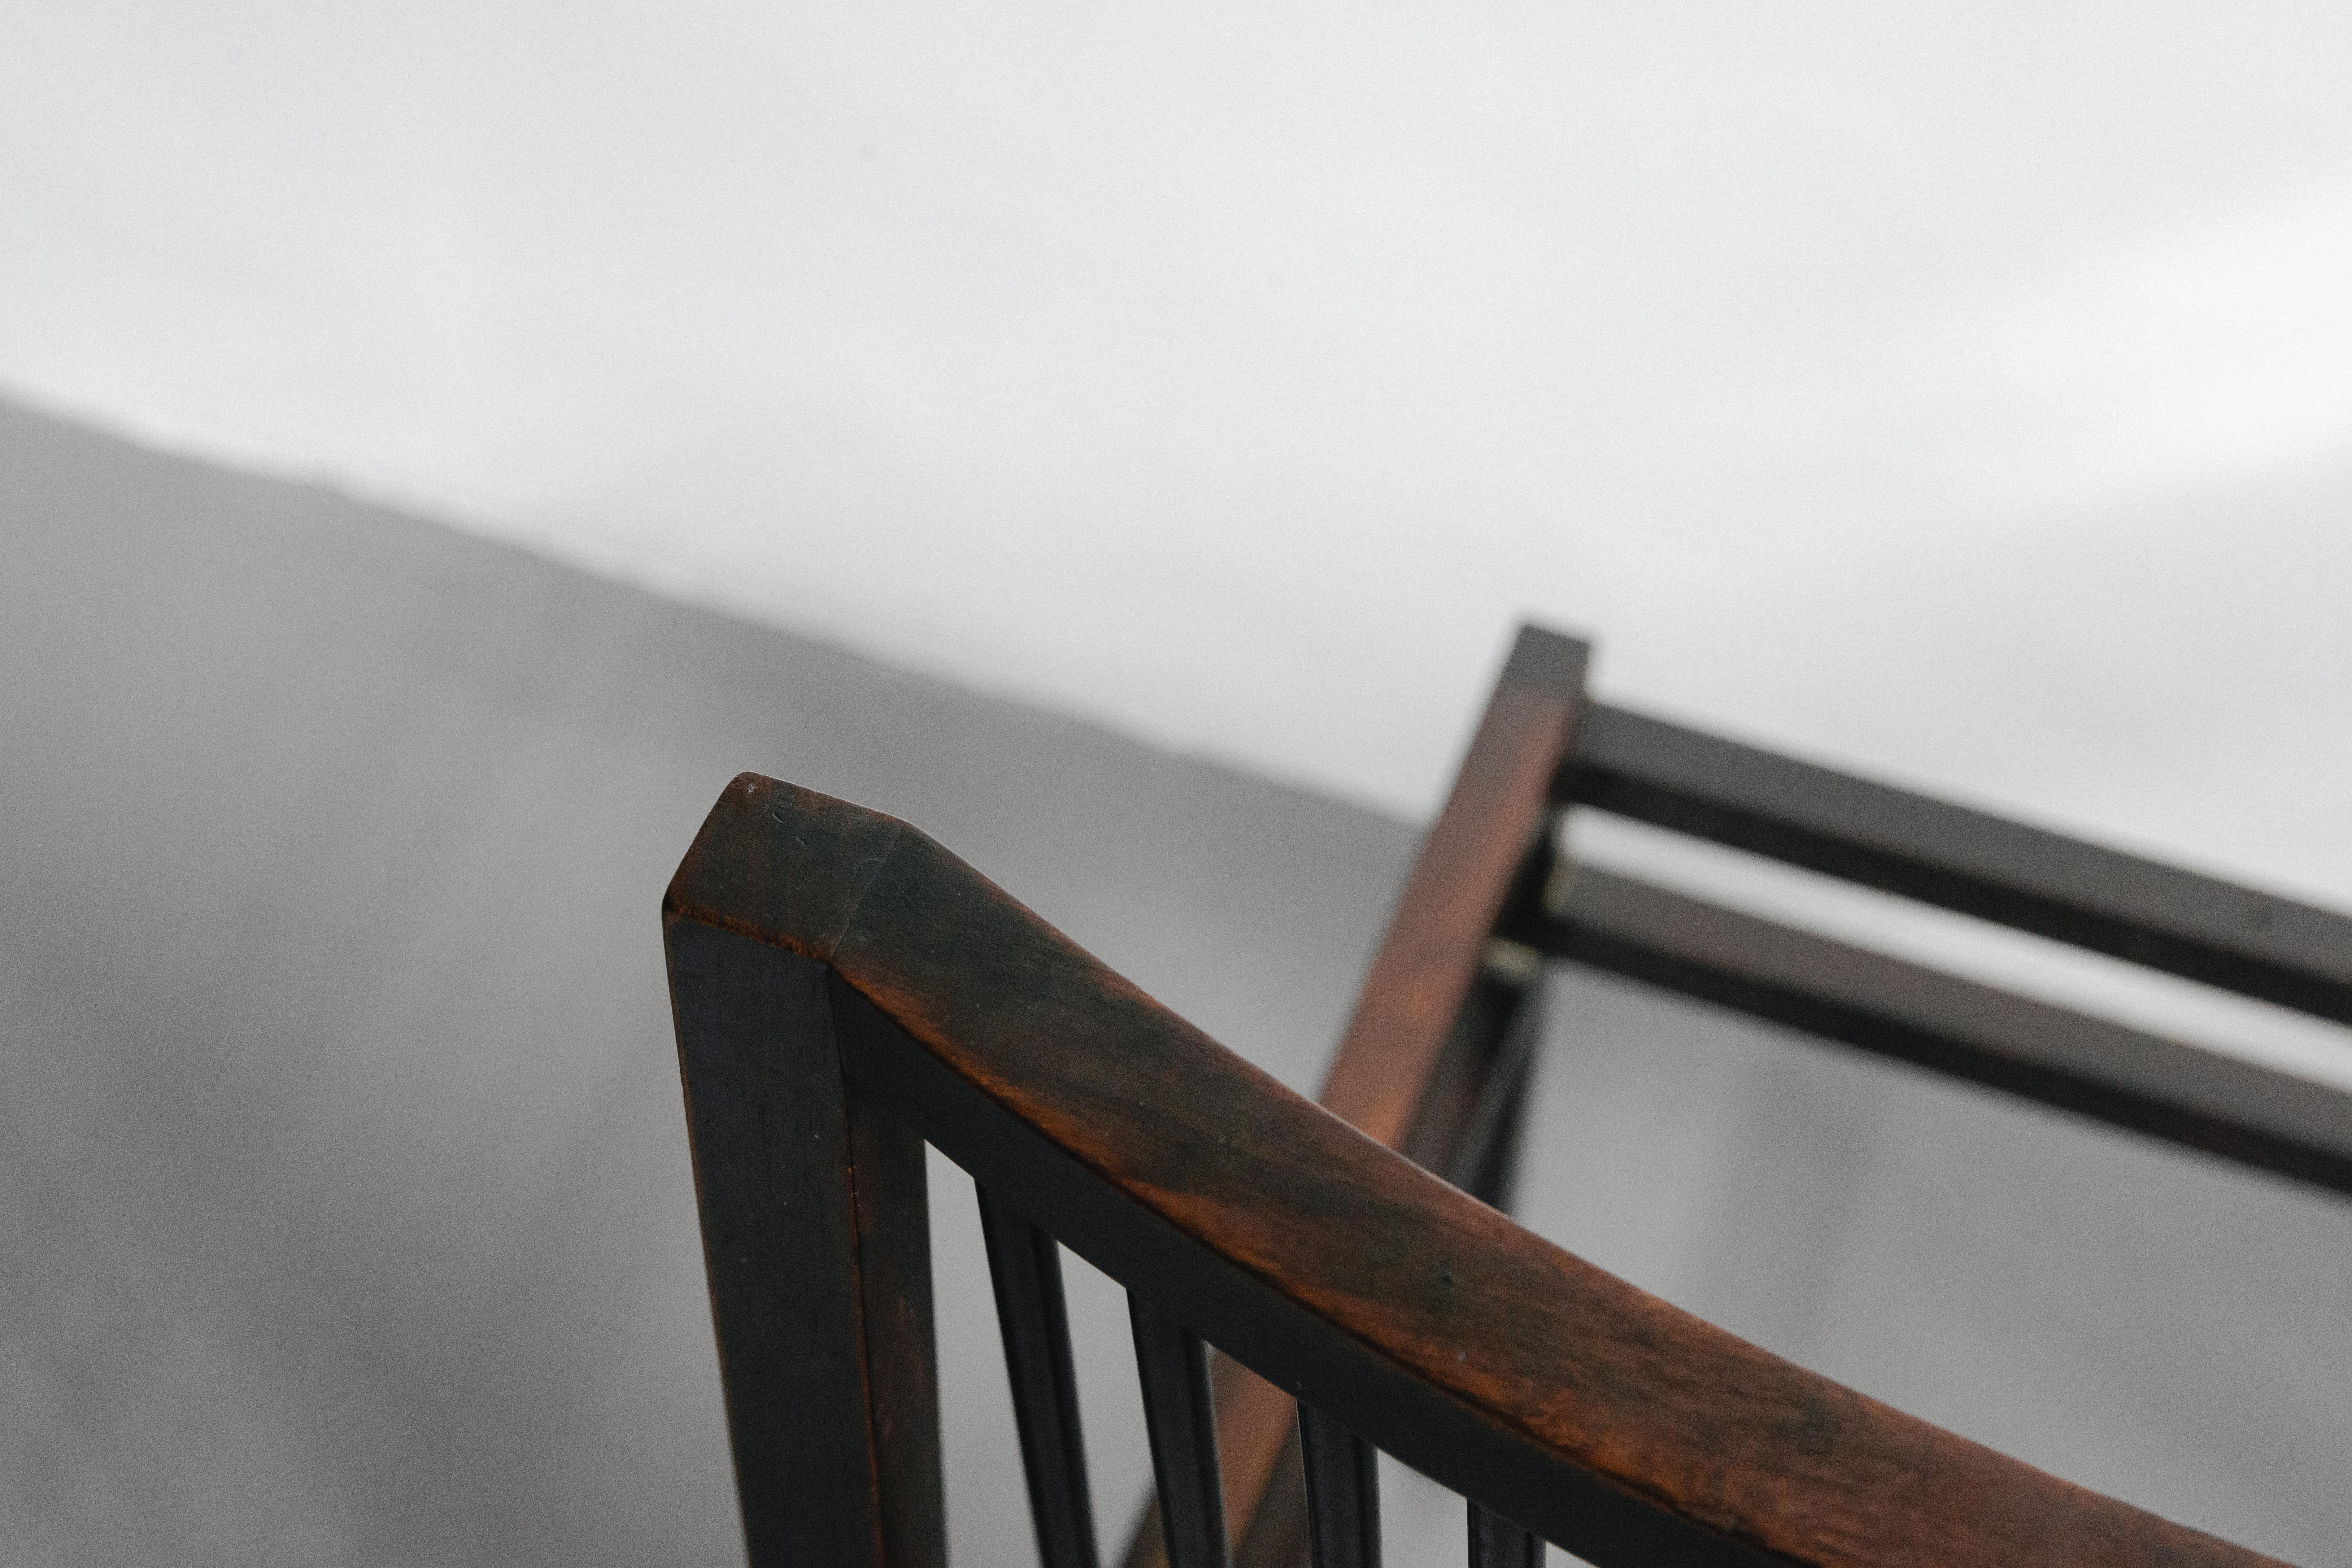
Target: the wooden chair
(845, 990)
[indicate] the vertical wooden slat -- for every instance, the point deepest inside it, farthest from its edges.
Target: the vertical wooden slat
(1257, 1437)
(1025, 1265)
(1508, 1369)
(1418, 1057)
(818, 1248)
(1478, 1152)
(1182, 1420)
(1343, 1493)
(1497, 1543)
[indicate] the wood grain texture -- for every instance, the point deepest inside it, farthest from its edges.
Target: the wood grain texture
(1437, 939)
(1407, 1072)
(1607, 1421)
(817, 1245)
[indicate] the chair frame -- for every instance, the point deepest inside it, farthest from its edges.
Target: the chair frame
(844, 990)
(1433, 1059)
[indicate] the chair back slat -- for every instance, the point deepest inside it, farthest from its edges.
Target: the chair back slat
(1024, 1266)
(1257, 1455)
(1181, 1419)
(1343, 1493)
(1470, 1125)
(1434, 1060)
(1497, 1543)
(902, 994)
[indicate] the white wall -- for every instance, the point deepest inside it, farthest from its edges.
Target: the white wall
(1965, 390)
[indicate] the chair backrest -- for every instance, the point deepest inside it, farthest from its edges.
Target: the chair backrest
(845, 990)
(1435, 1059)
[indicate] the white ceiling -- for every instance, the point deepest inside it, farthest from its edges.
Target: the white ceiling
(1965, 391)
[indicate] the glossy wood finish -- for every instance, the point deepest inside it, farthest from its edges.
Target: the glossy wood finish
(1024, 1267)
(1436, 941)
(818, 1250)
(1928, 849)
(1436, 1047)
(2198, 1099)
(1343, 1493)
(1606, 1421)
(1173, 1367)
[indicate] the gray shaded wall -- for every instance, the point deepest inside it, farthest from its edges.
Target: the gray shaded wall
(344, 1211)
(2150, 1323)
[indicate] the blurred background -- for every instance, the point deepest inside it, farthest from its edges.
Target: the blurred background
(439, 446)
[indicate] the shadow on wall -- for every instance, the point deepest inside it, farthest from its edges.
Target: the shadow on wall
(344, 1188)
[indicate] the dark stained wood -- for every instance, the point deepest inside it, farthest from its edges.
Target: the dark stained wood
(1173, 1367)
(818, 1250)
(1469, 1126)
(1490, 1169)
(1436, 941)
(1024, 1267)
(1420, 1061)
(1467, 1132)
(1604, 1420)
(2163, 1088)
(1256, 1438)
(1343, 1493)
(1497, 1543)
(2159, 915)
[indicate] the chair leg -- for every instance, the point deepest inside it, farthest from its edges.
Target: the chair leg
(815, 1234)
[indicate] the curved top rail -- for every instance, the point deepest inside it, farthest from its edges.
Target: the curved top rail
(1608, 1422)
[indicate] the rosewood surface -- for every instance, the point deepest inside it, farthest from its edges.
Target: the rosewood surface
(817, 1246)
(1419, 1319)
(2199, 927)
(1435, 1052)
(2198, 1099)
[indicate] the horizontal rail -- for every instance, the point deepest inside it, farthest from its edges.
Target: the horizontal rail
(2164, 1089)
(2241, 939)
(1563, 1399)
